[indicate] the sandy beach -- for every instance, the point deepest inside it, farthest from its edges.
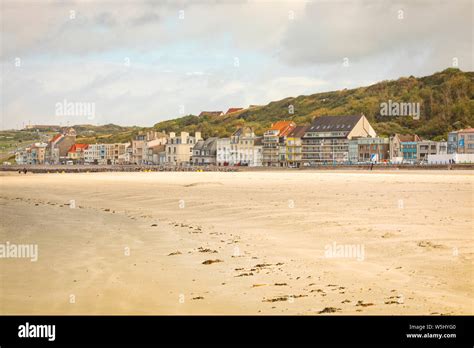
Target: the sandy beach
(239, 243)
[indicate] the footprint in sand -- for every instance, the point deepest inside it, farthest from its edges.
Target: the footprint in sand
(429, 245)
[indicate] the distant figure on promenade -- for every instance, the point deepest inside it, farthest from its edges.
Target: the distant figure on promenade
(25, 171)
(371, 165)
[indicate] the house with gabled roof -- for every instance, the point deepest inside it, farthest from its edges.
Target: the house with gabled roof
(59, 145)
(242, 146)
(205, 151)
(403, 145)
(232, 110)
(326, 140)
(274, 143)
(76, 153)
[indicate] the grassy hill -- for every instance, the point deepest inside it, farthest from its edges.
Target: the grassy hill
(11, 140)
(446, 101)
(109, 133)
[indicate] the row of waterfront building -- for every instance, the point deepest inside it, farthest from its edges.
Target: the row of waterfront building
(328, 140)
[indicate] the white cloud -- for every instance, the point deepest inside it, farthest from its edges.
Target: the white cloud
(283, 48)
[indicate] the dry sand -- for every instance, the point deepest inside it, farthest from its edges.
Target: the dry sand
(269, 229)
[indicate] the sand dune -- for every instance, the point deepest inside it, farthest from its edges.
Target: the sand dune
(239, 243)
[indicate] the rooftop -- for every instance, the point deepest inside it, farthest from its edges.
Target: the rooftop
(334, 123)
(56, 137)
(408, 137)
(243, 131)
(205, 144)
(76, 147)
(465, 130)
(283, 127)
(231, 110)
(298, 131)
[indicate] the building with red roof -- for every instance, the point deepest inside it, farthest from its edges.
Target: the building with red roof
(59, 145)
(274, 143)
(76, 152)
(232, 110)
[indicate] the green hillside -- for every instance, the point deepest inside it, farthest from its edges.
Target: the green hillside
(109, 133)
(12, 140)
(446, 101)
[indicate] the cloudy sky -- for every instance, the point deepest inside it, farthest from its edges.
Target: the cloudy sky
(139, 62)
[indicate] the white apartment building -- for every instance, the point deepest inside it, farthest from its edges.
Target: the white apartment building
(21, 156)
(105, 153)
(242, 147)
(223, 156)
(126, 158)
(426, 148)
(257, 158)
(33, 154)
